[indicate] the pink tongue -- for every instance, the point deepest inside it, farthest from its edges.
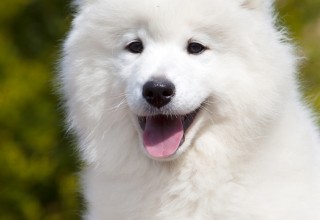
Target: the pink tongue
(162, 136)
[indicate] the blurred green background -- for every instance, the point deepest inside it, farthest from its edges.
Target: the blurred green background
(38, 164)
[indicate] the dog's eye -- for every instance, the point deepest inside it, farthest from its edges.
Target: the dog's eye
(195, 48)
(135, 47)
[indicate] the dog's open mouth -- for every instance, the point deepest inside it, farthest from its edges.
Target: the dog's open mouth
(164, 134)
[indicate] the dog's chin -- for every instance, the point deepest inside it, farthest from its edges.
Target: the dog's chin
(164, 135)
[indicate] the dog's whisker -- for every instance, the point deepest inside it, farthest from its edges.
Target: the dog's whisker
(120, 105)
(118, 95)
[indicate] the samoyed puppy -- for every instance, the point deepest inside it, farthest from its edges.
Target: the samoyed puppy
(189, 110)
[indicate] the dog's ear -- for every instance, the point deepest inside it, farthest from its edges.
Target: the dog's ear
(261, 5)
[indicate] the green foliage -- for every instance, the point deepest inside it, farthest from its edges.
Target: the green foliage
(38, 165)
(303, 20)
(38, 178)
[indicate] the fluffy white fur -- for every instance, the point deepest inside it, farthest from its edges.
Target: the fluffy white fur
(253, 150)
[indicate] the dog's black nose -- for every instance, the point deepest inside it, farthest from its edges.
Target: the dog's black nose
(158, 93)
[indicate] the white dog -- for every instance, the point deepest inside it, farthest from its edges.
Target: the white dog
(189, 109)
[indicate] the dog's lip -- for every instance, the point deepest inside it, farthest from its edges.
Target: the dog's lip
(186, 119)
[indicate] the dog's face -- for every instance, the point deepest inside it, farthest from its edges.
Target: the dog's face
(166, 80)
(177, 66)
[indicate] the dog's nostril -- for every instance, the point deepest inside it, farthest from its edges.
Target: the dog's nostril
(158, 93)
(168, 93)
(148, 93)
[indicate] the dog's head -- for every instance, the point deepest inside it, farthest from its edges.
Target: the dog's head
(175, 67)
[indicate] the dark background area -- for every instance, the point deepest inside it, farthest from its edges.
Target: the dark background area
(38, 161)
